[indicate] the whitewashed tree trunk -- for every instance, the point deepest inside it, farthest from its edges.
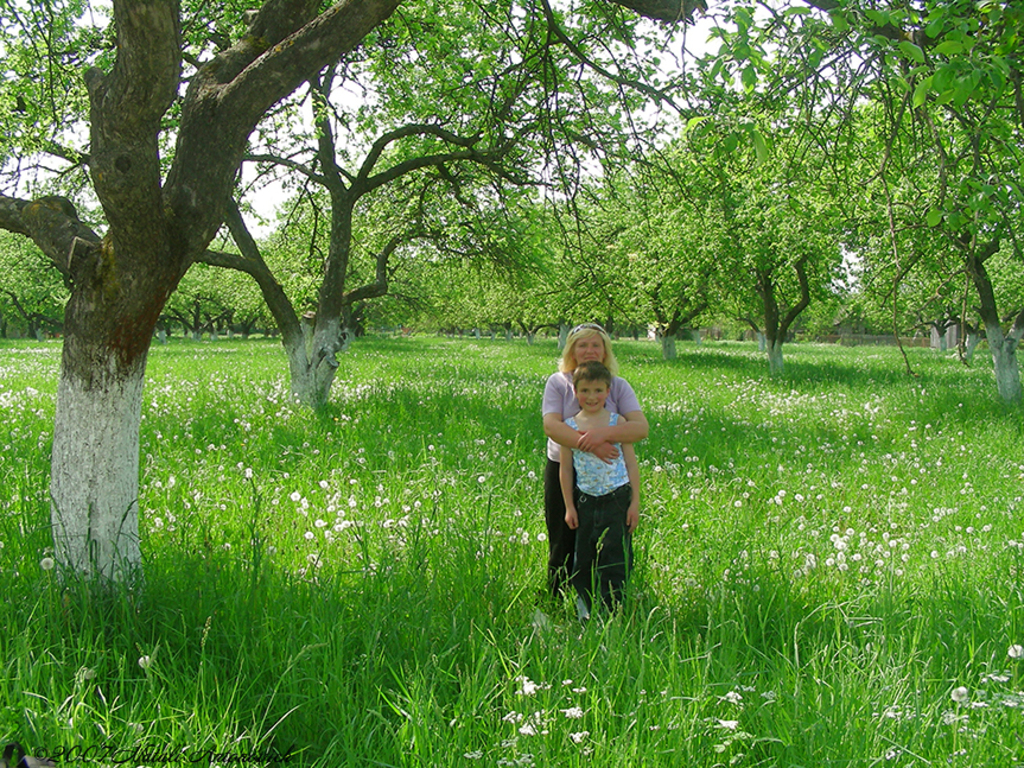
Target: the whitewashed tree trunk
(313, 362)
(161, 336)
(970, 344)
(762, 343)
(563, 335)
(95, 471)
(775, 362)
(1002, 346)
(668, 346)
(1004, 363)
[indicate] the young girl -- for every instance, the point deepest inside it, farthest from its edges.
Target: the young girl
(585, 342)
(602, 504)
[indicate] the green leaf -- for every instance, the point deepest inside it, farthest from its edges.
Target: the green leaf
(934, 217)
(879, 18)
(760, 146)
(840, 23)
(693, 122)
(911, 51)
(934, 28)
(949, 48)
(962, 92)
(900, 83)
(997, 79)
(943, 77)
(749, 77)
(921, 91)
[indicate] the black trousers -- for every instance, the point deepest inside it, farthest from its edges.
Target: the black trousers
(561, 538)
(603, 546)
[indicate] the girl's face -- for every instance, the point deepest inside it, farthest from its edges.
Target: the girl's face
(589, 348)
(591, 396)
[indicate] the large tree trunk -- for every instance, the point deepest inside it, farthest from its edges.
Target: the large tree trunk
(95, 472)
(1002, 346)
(973, 337)
(1004, 363)
(155, 230)
(775, 362)
(776, 327)
(313, 387)
(668, 346)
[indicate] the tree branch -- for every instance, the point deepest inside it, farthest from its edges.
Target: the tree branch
(671, 11)
(644, 88)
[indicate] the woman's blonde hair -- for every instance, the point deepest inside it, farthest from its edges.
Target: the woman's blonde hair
(584, 331)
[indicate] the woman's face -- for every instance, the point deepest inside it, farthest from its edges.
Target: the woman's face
(589, 348)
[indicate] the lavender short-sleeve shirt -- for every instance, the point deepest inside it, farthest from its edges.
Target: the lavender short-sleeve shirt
(559, 398)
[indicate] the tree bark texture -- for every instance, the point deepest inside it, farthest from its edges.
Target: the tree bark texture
(95, 469)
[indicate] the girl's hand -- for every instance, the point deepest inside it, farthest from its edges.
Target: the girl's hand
(571, 518)
(632, 517)
(591, 439)
(606, 452)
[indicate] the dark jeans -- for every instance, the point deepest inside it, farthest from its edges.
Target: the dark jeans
(604, 551)
(561, 538)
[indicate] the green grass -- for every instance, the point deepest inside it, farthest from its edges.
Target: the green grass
(822, 560)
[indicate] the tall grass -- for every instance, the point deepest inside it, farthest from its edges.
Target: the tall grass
(829, 568)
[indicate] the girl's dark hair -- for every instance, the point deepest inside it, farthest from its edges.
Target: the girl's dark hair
(591, 370)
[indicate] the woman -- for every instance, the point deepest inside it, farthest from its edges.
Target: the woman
(588, 341)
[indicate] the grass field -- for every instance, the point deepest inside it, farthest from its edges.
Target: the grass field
(829, 568)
